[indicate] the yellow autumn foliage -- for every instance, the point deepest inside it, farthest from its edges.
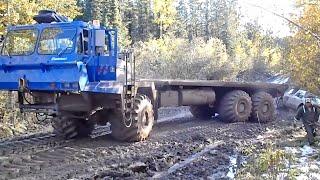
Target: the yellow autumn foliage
(20, 12)
(304, 56)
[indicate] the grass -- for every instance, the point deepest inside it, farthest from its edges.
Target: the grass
(12, 121)
(267, 164)
(271, 161)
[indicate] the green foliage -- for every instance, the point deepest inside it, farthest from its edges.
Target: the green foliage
(272, 160)
(248, 150)
(209, 19)
(110, 13)
(259, 50)
(139, 19)
(199, 22)
(268, 164)
(12, 122)
(178, 58)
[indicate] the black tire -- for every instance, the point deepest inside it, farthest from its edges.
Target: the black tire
(202, 112)
(299, 106)
(263, 109)
(84, 128)
(68, 128)
(142, 121)
(64, 127)
(235, 106)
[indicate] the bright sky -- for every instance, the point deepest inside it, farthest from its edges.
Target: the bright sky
(266, 19)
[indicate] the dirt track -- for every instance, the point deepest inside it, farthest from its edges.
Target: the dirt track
(183, 148)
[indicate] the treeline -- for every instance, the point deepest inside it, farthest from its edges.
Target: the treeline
(173, 28)
(142, 20)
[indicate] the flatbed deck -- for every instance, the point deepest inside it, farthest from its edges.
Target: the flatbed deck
(272, 88)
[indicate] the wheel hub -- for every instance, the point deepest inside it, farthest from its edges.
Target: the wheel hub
(241, 107)
(265, 108)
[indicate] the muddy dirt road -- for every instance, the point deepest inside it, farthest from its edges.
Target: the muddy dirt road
(180, 147)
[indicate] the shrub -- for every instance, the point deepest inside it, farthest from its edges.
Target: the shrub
(12, 122)
(176, 58)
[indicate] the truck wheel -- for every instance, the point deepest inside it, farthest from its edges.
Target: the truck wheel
(69, 128)
(142, 121)
(203, 112)
(84, 128)
(235, 106)
(64, 127)
(263, 108)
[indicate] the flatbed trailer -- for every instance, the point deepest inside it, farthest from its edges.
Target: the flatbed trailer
(205, 96)
(73, 72)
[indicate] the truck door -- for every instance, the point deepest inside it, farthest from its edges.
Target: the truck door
(106, 50)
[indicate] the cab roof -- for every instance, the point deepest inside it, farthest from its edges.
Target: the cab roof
(74, 24)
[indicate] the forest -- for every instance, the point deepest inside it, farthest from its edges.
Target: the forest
(190, 39)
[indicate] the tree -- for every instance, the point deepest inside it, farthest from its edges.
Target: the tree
(305, 51)
(109, 12)
(3, 16)
(145, 27)
(208, 19)
(11, 14)
(165, 14)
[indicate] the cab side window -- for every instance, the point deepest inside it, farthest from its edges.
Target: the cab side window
(80, 44)
(86, 41)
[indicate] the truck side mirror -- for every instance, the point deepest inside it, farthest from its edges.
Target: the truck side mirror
(100, 39)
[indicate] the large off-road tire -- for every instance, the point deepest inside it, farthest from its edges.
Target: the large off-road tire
(68, 128)
(84, 128)
(263, 109)
(235, 106)
(142, 121)
(202, 112)
(64, 127)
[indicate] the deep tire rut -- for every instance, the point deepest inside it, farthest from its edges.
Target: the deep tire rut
(36, 142)
(171, 143)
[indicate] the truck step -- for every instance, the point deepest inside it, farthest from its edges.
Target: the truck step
(39, 108)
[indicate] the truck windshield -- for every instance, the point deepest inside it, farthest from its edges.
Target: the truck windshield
(56, 41)
(20, 42)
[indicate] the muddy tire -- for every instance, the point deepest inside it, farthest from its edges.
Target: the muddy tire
(203, 112)
(84, 128)
(64, 127)
(68, 128)
(235, 106)
(263, 109)
(142, 121)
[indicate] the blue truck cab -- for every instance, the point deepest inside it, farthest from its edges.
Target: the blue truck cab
(59, 56)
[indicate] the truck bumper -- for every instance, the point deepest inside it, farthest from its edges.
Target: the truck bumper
(69, 77)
